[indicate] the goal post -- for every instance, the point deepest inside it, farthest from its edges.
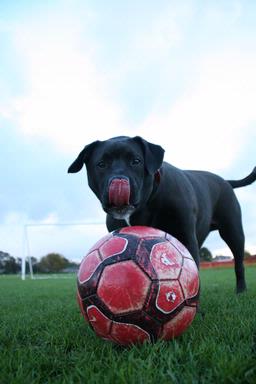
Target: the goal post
(26, 254)
(40, 239)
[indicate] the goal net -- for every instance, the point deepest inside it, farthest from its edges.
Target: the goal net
(71, 240)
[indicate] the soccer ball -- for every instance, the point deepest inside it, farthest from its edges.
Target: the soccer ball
(138, 284)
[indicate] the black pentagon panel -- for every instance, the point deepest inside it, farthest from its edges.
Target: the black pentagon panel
(143, 256)
(88, 288)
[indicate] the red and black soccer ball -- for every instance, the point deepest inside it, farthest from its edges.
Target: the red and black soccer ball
(138, 284)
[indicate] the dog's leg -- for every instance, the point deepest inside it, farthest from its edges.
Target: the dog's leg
(183, 227)
(234, 238)
(192, 246)
(229, 222)
(189, 240)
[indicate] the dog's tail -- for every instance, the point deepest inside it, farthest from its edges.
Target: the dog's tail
(243, 182)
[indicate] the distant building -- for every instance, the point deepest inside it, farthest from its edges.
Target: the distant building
(222, 258)
(71, 269)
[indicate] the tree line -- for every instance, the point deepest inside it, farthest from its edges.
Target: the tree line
(206, 255)
(51, 263)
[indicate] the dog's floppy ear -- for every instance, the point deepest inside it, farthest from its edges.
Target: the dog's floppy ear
(82, 158)
(153, 154)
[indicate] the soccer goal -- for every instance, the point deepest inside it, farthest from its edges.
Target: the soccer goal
(72, 240)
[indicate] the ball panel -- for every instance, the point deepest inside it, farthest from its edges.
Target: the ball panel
(99, 322)
(142, 231)
(179, 246)
(121, 333)
(89, 287)
(179, 323)
(88, 266)
(100, 242)
(141, 319)
(169, 296)
(114, 246)
(166, 261)
(123, 287)
(189, 278)
(142, 256)
(126, 334)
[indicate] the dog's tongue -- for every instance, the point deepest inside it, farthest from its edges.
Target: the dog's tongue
(119, 192)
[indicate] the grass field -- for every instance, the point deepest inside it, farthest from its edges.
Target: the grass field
(43, 338)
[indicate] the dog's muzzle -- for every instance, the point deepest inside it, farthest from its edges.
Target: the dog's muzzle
(119, 192)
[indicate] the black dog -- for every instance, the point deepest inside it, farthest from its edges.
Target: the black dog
(135, 187)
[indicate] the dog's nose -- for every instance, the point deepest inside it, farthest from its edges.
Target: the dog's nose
(119, 191)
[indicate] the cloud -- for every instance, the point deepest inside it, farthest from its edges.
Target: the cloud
(154, 38)
(225, 13)
(12, 234)
(66, 97)
(70, 100)
(210, 123)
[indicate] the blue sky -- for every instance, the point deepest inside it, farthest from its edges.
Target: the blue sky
(180, 74)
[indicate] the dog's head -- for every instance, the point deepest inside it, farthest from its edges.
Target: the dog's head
(121, 172)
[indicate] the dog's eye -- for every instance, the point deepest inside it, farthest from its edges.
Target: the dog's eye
(135, 161)
(101, 164)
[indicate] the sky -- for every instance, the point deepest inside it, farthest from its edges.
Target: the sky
(181, 74)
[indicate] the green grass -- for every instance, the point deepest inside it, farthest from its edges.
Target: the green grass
(43, 338)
